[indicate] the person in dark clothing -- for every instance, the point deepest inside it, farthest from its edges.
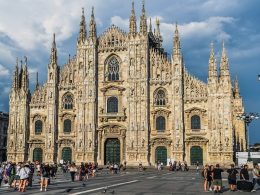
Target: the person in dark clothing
(45, 176)
(232, 177)
(217, 179)
(244, 175)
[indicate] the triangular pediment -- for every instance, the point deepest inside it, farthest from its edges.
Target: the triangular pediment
(195, 109)
(112, 87)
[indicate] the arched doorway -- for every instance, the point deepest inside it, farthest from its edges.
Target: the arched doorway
(37, 155)
(196, 155)
(66, 154)
(112, 151)
(161, 155)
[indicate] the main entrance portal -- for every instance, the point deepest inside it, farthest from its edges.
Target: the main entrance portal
(112, 151)
(196, 155)
(161, 155)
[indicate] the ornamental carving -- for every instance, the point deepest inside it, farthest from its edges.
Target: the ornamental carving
(160, 141)
(66, 142)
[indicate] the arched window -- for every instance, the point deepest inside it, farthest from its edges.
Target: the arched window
(67, 126)
(38, 127)
(113, 70)
(68, 101)
(160, 98)
(160, 123)
(112, 105)
(195, 122)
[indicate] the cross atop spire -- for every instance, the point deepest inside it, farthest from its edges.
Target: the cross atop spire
(82, 30)
(132, 21)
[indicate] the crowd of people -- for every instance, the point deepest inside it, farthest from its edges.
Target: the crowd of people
(213, 178)
(19, 176)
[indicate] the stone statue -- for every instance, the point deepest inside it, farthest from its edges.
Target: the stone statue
(89, 143)
(143, 142)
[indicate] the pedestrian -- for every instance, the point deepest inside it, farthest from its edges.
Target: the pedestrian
(24, 175)
(205, 173)
(73, 170)
(45, 176)
(197, 166)
(217, 179)
(256, 177)
(232, 178)
(244, 175)
(11, 171)
(210, 179)
(17, 176)
(82, 173)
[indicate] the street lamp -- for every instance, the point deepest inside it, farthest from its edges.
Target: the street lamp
(248, 118)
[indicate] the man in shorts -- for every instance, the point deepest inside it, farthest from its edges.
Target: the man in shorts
(217, 179)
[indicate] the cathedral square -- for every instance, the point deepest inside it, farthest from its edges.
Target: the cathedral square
(123, 99)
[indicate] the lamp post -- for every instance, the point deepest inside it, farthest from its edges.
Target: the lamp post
(248, 118)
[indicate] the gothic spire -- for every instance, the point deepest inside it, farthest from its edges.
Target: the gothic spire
(16, 75)
(157, 32)
(83, 29)
(36, 81)
(212, 63)
(25, 75)
(224, 69)
(92, 25)
(150, 26)
(132, 21)
(143, 20)
(236, 88)
(176, 45)
(53, 57)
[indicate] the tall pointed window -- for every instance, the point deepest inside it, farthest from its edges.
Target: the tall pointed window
(160, 98)
(112, 105)
(160, 123)
(113, 69)
(195, 122)
(67, 126)
(68, 101)
(38, 127)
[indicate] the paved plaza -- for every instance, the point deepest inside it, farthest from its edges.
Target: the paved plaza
(129, 182)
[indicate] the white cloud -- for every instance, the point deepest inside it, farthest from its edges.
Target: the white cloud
(120, 22)
(4, 71)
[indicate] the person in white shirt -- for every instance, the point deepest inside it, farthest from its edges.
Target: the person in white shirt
(24, 175)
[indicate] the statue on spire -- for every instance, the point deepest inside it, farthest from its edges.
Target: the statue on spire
(143, 20)
(224, 69)
(53, 57)
(212, 63)
(132, 21)
(236, 88)
(82, 30)
(92, 25)
(176, 45)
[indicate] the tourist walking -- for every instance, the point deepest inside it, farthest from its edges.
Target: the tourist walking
(217, 179)
(256, 177)
(73, 170)
(24, 175)
(232, 178)
(10, 172)
(45, 176)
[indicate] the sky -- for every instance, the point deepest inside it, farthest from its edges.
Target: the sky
(26, 28)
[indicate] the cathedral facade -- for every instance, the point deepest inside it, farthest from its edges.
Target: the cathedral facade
(122, 99)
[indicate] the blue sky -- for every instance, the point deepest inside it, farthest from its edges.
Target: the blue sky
(26, 28)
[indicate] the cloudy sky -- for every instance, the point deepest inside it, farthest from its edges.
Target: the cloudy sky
(26, 28)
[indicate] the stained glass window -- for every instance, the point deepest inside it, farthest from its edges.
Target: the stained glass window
(160, 98)
(68, 101)
(113, 70)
